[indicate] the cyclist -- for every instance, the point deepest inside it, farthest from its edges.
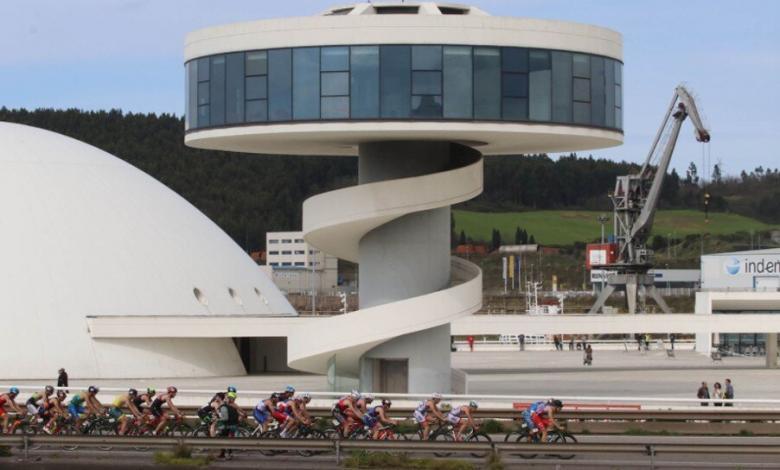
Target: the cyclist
(76, 407)
(297, 413)
(160, 415)
(288, 393)
(125, 400)
(227, 421)
(376, 416)
(364, 402)
(460, 417)
(9, 400)
(210, 410)
(263, 411)
(54, 410)
(540, 416)
(426, 412)
(241, 413)
(346, 413)
(280, 412)
(37, 401)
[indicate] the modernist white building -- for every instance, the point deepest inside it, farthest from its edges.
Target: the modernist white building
(419, 92)
(86, 236)
(297, 267)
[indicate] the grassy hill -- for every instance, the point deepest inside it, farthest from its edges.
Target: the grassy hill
(566, 227)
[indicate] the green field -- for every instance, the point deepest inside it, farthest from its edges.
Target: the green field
(567, 227)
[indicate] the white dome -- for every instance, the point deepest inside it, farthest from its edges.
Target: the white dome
(83, 233)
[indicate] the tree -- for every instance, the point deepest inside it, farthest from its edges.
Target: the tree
(496, 240)
(692, 175)
(462, 238)
(531, 240)
(717, 176)
(518, 236)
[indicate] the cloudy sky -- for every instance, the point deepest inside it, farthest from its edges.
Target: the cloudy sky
(127, 54)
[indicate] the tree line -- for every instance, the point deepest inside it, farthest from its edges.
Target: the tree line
(247, 195)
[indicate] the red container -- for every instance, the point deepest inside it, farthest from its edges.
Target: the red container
(600, 254)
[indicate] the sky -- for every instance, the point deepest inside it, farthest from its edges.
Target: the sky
(128, 54)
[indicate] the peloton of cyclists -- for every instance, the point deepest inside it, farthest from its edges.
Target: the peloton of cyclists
(160, 414)
(376, 416)
(540, 416)
(426, 412)
(460, 417)
(9, 400)
(85, 404)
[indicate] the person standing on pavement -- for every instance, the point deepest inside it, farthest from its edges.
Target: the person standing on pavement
(717, 394)
(470, 340)
(588, 358)
(521, 341)
(729, 393)
(703, 393)
(671, 340)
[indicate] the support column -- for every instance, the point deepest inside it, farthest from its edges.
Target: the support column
(771, 350)
(407, 257)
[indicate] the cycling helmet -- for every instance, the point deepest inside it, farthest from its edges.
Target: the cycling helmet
(172, 389)
(151, 391)
(61, 394)
(93, 389)
(275, 396)
(232, 395)
(132, 392)
(386, 403)
(355, 394)
(367, 397)
(305, 397)
(13, 391)
(232, 389)
(289, 389)
(49, 389)
(473, 404)
(436, 396)
(556, 403)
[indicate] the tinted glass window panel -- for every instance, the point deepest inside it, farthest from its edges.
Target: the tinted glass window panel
(538, 60)
(364, 85)
(618, 73)
(335, 83)
(581, 113)
(335, 107)
(609, 93)
(257, 63)
(192, 95)
(618, 96)
(515, 109)
(619, 118)
(256, 88)
(514, 59)
(581, 89)
(426, 106)
(597, 98)
(540, 95)
(581, 65)
(203, 69)
(487, 83)
(395, 81)
(306, 83)
(280, 85)
(256, 110)
(203, 93)
(515, 85)
(217, 91)
(426, 57)
(234, 88)
(335, 59)
(458, 92)
(203, 115)
(561, 78)
(426, 83)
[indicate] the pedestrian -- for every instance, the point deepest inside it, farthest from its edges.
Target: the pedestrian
(62, 378)
(521, 341)
(671, 340)
(588, 357)
(717, 394)
(647, 341)
(470, 340)
(571, 343)
(638, 338)
(729, 393)
(703, 393)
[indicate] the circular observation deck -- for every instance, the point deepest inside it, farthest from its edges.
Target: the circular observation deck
(323, 85)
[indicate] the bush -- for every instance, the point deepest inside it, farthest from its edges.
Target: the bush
(364, 459)
(5, 451)
(491, 426)
(181, 456)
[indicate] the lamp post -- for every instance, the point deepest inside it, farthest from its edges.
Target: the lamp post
(603, 219)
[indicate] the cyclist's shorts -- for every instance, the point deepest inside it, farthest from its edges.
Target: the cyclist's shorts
(156, 411)
(115, 412)
(76, 410)
(260, 417)
(369, 421)
(453, 419)
(528, 421)
(205, 413)
(419, 417)
(2, 411)
(540, 422)
(279, 416)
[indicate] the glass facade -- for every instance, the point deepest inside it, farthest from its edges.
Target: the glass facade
(404, 82)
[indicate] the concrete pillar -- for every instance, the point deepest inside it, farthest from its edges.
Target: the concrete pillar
(771, 350)
(408, 257)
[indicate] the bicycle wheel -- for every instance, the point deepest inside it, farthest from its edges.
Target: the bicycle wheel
(561, 437)
(269, 435)
(104, 430)
(69, 429)
(522, 438)
(442, 437)
(25, 429)
(310, 434)
(480, 437)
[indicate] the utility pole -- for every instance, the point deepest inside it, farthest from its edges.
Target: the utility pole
(603, 219)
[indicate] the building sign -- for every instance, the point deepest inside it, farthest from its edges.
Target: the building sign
(744, 270)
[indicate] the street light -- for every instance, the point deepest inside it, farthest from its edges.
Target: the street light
(603, 219)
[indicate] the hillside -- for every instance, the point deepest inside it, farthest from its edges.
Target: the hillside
(566, 227)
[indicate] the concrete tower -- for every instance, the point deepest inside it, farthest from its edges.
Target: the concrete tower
(419, 92)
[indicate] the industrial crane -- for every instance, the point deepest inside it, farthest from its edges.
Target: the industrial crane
(635, 200)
